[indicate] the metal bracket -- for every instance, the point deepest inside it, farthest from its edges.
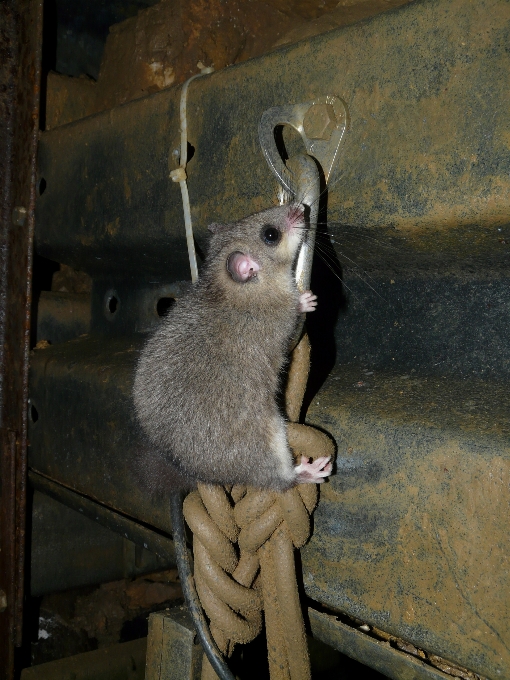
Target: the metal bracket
(321, 123)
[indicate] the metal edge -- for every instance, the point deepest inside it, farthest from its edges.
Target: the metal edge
(369, 651)
(137, 533)
(19, 106)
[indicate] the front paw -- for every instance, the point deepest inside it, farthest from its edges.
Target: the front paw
(307, 302)
(314, 472)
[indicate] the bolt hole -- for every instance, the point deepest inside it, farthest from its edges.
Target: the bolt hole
(42, 186)
(34, 415)
(112, 304)
(163, 305)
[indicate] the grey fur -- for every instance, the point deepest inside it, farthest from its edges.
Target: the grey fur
(207, 380)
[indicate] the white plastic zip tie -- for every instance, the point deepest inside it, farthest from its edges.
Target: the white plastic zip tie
(179, 174)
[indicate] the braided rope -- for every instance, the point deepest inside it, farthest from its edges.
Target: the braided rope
(239, 531)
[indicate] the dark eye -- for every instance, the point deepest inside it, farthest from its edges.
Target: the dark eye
(270, 235)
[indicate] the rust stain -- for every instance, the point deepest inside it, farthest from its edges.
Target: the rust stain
(113, 227)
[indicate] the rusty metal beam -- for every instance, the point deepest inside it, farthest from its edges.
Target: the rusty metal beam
(157, 543)
(405, 537)
(86, 436)
(410, 534)
(70, 549)
(62, 316)
(426, 155)
(21, 34)
(391, 662)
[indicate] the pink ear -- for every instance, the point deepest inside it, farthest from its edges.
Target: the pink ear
(242, 267)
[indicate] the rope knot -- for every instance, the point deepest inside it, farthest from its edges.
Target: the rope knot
(178, 175)
(244, 541)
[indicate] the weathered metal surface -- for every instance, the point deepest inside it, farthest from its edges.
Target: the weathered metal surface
(121, 307)
(81, 34)
(20, 36)
(141, 535)
(125, 661)
(10, 576)
(411, 535)
(62, 316)
(415, 460)
(379, 655)
(70, 548)
(429, 323)
(86, 436)
(426, 152)
(172, 650)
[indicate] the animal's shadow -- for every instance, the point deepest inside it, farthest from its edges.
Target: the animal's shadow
(326, 283)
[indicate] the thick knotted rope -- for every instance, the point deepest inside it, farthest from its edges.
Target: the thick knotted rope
(241, 532)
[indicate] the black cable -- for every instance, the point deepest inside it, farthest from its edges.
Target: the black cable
(190, 594)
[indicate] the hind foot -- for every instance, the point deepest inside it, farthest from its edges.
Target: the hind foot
(307, 302)
(314, 472)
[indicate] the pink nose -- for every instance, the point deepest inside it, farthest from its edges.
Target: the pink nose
(248, 267)
(242, 267)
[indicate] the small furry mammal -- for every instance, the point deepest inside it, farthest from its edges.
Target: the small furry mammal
(207, 380)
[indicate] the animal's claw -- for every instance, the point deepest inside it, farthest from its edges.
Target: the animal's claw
(307, 302)
(314, 472)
